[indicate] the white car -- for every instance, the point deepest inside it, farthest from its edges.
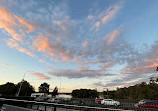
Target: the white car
(110, 102)
(51, 100)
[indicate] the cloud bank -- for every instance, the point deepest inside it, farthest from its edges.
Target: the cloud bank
(52, 33)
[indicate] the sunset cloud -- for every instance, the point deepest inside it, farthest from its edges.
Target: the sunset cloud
(53, 49)
(14, 25)
(7, 65)
(14, 44)
(144, 63)
(108, 65)
(110, 13)
(113, 36)
(107, 15)
(40, 75)
(43, 61)
(41, 43)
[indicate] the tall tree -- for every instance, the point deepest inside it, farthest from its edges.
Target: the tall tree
(44, 88)
(26, 88)
(55, 91)
(84, 93)
(8, 89)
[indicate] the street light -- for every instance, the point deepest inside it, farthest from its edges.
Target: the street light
(60, 84)
(21, 84)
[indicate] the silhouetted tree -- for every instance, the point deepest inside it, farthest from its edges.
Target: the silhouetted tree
(55, 91)
(44, 88)
(8, 89)
(84, 93)
(26, 88)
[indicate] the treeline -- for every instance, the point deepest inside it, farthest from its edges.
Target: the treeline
(11, 89)
(139, 91)
(84, 93)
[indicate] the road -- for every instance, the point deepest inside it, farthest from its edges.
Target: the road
(15, 108)
(41, 108)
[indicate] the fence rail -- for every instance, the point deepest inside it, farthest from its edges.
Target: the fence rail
(46, 106)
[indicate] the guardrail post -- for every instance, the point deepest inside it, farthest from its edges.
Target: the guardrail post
(55, 109)
(45, 107)
(31, 106)
(37, 106)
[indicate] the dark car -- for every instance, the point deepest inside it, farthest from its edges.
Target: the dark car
(41, 98)
(78, 102)
(149, 104)
(144, 101)
(59, 100)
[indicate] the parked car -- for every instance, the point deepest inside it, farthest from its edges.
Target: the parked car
(149, 104)
(51, 100)
(110, 102)
(78, 102)
(59, 100)
(98, 100)
(144, 101)
(41, 98)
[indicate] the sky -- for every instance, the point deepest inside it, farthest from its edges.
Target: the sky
(74, 44)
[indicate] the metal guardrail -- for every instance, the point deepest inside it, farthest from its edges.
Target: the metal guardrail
(45, 105)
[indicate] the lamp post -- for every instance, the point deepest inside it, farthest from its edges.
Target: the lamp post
(60, 84)
(21, 84)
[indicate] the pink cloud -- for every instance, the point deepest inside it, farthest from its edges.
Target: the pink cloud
(109, 14)
(17, 28)
(43, 61)
(7, 65)
(41, 43)
(113, 36)
(148, 66)
(14, 25)
(61, 24)
(97, 24)
(108, 65)
(25, 24)
(28, 52)
(40, 75)
(90, 17)
(48, 46)
(85, 44)
(14, 44)
(2, 64)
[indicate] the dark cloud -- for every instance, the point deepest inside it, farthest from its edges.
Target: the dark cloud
(125, 81)
(81, 73)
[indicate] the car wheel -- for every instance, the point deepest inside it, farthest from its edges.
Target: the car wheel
(115, 104)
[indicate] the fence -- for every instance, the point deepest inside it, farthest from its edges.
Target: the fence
(89, 105)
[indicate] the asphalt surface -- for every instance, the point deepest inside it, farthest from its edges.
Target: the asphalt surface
(41, 108)
(15, 108)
